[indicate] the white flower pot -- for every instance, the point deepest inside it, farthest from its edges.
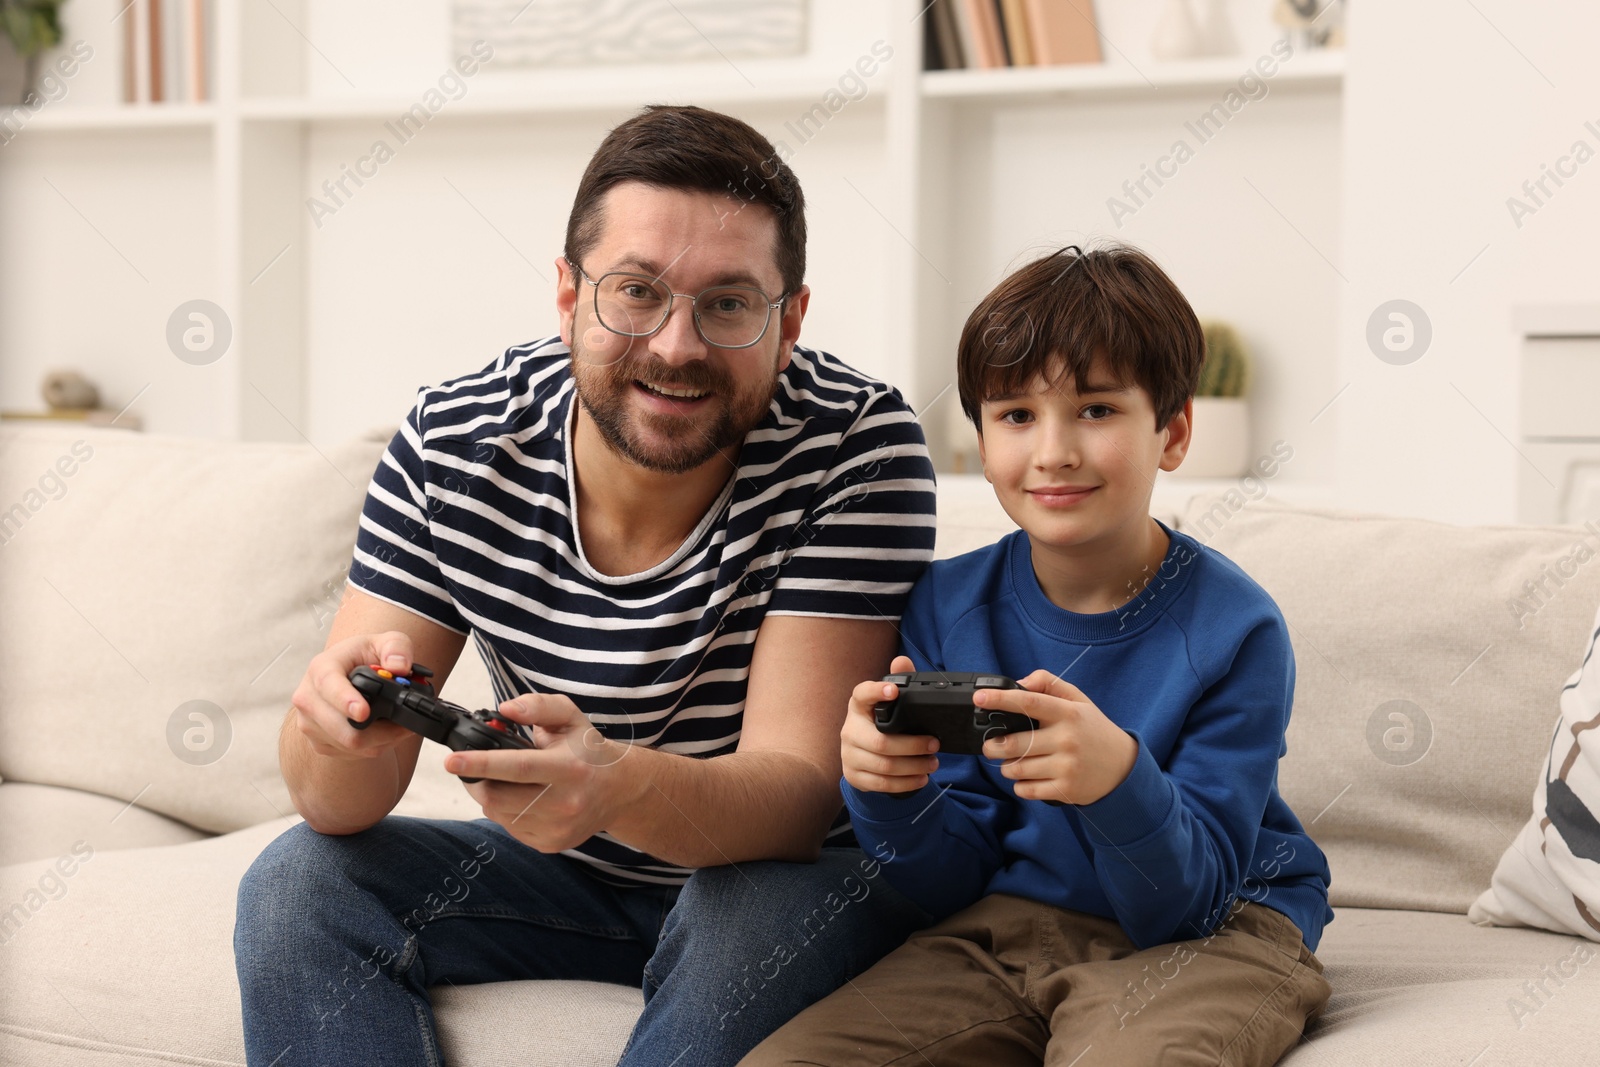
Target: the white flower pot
(1177, 34)
(1220, 447)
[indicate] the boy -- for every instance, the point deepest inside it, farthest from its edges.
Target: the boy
(1164, 909)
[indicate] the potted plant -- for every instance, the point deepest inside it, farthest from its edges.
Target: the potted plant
(1221, 443)
(28, 29)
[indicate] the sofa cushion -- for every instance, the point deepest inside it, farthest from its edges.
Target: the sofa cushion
(1427, 676)
(162, 597)
(1408, 987)
(1424, 988)
(43, 821)
(131, 961)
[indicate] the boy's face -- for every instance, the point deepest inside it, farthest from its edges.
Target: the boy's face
(1077, 469)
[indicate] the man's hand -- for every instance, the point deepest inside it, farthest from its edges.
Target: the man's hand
(877, 762)
(560, 794)
(1077, 755)
(325, 700)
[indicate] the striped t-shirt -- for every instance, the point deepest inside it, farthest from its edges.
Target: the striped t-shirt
(469, 522)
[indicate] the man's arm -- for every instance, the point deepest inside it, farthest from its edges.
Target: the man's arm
(343, 780)
(773, 798)
(777, 795)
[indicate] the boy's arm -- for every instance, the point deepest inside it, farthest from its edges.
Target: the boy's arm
(1172, 845)
(939, 844)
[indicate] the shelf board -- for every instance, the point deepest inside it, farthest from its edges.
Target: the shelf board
(122, 116)
(1317, 68)
(558, 100)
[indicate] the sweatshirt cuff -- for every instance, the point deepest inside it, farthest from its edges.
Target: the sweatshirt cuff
(1135, 809)
(885, 807)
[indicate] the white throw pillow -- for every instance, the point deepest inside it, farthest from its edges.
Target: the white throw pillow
(1550, 876)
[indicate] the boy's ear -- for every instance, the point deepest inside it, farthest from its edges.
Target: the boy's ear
(1179, 433)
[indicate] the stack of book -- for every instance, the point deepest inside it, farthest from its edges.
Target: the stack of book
(167, 51)
(1009, 33)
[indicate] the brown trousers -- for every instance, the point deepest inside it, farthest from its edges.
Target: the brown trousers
(1011, 982)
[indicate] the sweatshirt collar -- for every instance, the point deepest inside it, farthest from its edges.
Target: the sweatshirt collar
(1163, 589)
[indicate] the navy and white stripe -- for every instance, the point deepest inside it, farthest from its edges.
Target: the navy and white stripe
(469, 523)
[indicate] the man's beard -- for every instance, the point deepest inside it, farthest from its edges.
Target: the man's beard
(680, 443)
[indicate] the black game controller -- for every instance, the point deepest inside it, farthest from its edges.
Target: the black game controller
(408, 700)
(939, 704)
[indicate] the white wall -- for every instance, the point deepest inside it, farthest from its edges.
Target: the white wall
(100, 239)
(1447, 112)
(410, 285)
(1032, 178)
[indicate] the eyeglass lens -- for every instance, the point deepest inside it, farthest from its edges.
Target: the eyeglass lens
(731, 316)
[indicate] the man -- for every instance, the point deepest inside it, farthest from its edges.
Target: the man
(677, 538)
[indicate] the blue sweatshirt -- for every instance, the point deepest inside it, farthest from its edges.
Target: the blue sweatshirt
(1198, 669)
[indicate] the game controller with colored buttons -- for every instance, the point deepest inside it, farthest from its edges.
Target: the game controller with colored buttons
(939, 704)
(408, 700)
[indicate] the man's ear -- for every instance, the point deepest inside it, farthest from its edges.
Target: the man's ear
(794, 311)
(1180, 431)
(566, 297)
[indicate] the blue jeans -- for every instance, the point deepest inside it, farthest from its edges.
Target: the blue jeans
(338, 940)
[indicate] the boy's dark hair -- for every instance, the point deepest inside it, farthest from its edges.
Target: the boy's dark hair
(674, 147)
(1054, 316)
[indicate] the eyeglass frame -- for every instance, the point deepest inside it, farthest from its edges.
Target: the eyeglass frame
(672, 297)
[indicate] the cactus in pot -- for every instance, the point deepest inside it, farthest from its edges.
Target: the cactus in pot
(1226, 370)
(1220, 445)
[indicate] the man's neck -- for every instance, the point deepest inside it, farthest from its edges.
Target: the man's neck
(631, 518)
(1103, 577)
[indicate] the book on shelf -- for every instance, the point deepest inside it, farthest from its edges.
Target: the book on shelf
(1019, 44)
(984, 18)
(948, 33)
(168, 49)
(989, 34)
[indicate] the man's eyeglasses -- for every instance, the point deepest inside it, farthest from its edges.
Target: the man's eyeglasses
(637, 305)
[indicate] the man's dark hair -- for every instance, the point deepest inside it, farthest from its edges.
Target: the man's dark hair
(1054, 316)
(673, 147)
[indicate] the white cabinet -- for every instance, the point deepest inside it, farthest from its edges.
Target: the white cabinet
(1559, 478)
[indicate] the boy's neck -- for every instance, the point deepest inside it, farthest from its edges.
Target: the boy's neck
(1090, 579)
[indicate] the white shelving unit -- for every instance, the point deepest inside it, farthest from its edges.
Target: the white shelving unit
(933, 256)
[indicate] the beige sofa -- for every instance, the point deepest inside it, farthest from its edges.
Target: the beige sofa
(159, 599)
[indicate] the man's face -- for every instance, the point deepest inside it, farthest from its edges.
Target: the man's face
(670, 402)
(1076, 470)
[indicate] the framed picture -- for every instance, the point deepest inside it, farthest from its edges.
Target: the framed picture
(574, 33)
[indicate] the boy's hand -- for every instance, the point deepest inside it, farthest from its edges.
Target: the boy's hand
(883, 763)
(1077, 755)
